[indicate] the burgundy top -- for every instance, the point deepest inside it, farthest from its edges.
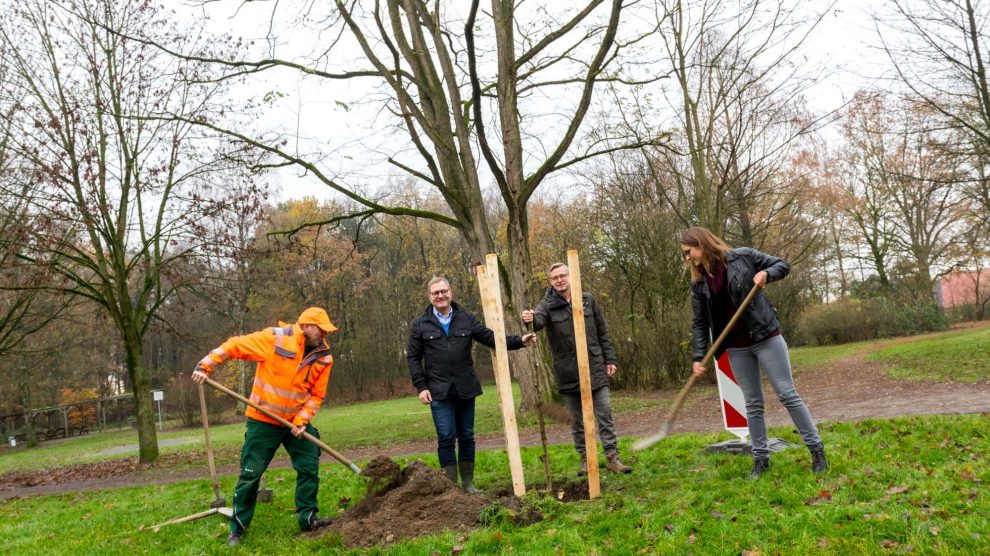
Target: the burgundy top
(723, 308)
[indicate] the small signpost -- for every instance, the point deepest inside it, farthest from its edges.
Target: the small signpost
(158, 396)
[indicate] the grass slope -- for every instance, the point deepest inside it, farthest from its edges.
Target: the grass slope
(960, 356)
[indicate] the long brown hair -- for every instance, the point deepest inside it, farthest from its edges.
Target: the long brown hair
(713, 248)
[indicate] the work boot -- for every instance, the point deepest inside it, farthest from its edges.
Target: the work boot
(467, 477)
(760, 466)
(615, 465)
(583, 470)
(235, 538)
(451, 472)
(316, 523)
(818, 461)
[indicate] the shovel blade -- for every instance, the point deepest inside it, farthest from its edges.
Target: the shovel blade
(648, 441)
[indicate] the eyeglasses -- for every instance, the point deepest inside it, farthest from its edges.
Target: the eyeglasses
(438, 293)
(559, 277)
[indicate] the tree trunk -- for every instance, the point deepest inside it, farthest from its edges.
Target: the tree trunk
(518, 267)
(143, 404)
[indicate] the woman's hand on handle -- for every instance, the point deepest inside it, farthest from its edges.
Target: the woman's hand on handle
(760, 279)
(698, 369)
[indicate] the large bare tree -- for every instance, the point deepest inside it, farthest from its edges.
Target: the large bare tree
(117, 200)
(509, 89)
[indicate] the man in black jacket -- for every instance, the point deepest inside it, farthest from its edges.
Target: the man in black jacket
(554, 314)
(442, 371)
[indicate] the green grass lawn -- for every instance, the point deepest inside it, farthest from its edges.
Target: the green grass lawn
(381, 423)
(911, 485)
(962, 356)
(959, 356)
(804, 358)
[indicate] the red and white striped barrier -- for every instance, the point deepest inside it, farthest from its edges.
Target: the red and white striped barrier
(733, 402)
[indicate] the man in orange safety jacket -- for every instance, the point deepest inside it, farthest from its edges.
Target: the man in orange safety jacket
(294, 364)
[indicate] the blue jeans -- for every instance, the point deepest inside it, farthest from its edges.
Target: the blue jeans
(454, 421)
(772, 355)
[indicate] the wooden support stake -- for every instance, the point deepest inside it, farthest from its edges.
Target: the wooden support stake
(491, 302)
(584, 373)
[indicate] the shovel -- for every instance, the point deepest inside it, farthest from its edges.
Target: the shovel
(219, 501)
(264, 493)
(333, 453)
(648, 441)
(226, 512)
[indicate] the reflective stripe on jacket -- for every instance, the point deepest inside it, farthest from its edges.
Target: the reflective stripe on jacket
(286, 383)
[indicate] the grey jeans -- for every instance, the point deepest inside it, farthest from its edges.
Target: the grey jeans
(603, 415)
(770, 354)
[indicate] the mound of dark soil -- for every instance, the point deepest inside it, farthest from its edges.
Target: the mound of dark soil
(406, 503)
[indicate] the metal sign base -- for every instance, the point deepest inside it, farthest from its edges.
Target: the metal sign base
(741, 448)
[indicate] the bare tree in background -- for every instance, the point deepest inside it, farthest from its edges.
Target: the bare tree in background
(905, 181)
(737, 96)
(116, 190)
(939, 50)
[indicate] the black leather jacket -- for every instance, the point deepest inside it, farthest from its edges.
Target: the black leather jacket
(438, 360)
(760, 318)
(554, 313)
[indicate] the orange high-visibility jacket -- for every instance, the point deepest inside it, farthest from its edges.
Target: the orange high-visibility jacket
(286, 383)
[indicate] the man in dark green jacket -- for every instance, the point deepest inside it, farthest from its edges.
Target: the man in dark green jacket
(441, 368)
(554, 314)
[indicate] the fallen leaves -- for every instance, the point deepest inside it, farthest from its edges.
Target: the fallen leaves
(822, 497)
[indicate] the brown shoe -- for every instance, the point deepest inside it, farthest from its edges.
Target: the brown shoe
(615, 465)
(583, 470)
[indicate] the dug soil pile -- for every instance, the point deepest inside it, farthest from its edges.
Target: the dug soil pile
(406, 503)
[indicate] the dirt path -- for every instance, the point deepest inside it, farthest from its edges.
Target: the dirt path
(849, 389)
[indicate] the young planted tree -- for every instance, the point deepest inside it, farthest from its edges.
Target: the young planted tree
(116, 184)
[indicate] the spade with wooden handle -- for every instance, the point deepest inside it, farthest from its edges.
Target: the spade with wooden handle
(648, 441)
(333, 453)
(226, 512)
(219, 501)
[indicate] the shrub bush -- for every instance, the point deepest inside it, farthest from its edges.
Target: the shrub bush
(852, 319)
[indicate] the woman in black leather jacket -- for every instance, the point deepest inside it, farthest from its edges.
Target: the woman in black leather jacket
(721, 277)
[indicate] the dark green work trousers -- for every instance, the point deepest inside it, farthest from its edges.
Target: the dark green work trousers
(261, 440)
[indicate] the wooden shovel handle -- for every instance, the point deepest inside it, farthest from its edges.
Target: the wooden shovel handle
(679, 400)
(209, 445)
(333, 453)
(192, 517)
